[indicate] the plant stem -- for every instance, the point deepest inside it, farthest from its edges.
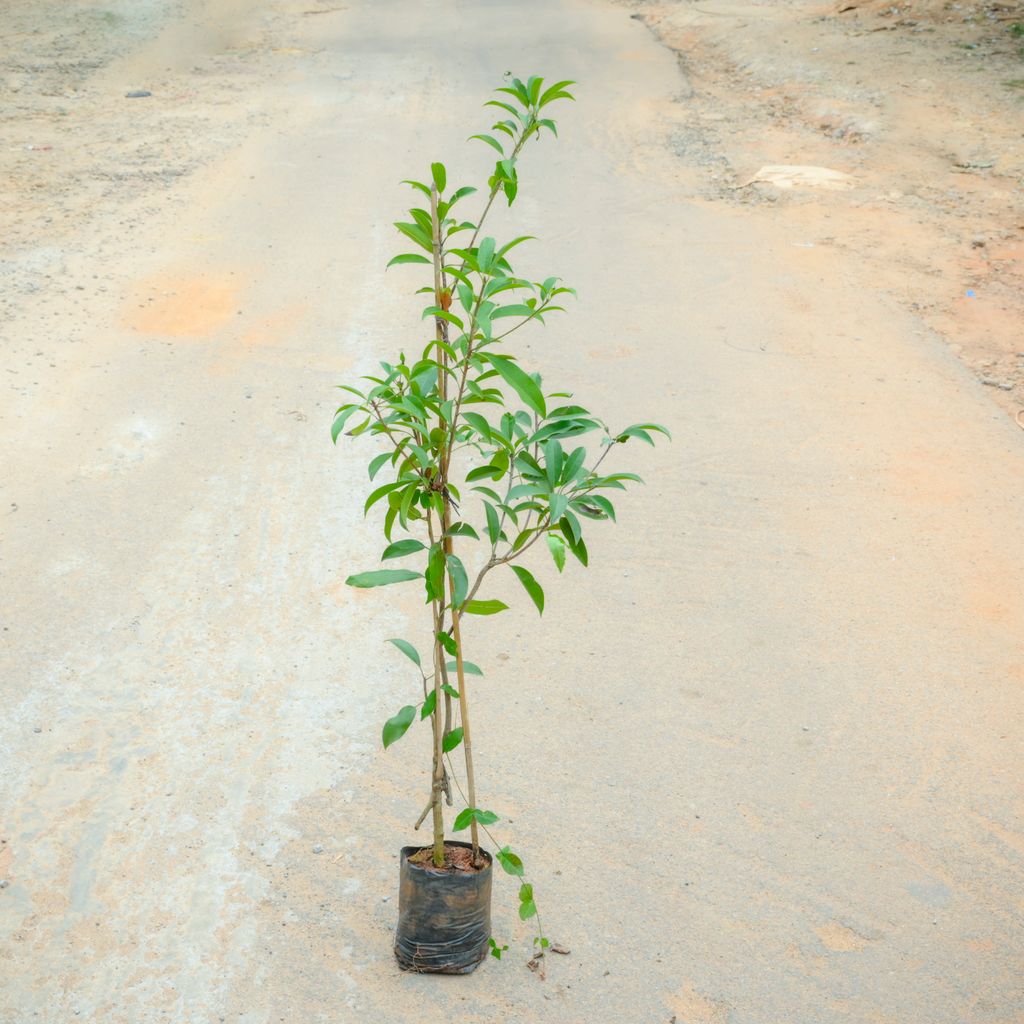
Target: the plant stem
(467, 740)
(442, 377)
(438, 779)
(438, 604)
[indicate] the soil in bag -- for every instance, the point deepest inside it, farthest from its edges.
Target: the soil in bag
(444, 914)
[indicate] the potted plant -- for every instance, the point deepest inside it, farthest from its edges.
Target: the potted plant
(467, 435)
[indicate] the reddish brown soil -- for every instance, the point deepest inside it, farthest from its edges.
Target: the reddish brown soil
(456, 859)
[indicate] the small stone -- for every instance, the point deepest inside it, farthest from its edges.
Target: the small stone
(4, 883)
(318, 848)
(137, 94)
(38, 728)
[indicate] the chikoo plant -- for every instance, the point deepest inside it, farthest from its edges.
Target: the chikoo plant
(478, 464)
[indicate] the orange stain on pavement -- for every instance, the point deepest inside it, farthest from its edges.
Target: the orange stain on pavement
(184, 307)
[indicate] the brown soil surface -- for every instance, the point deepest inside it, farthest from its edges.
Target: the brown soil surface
(457, 860)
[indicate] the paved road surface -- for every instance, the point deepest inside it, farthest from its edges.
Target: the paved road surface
(762, 759)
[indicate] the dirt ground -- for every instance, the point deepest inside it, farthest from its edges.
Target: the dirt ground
(920, 103)
(762, 758)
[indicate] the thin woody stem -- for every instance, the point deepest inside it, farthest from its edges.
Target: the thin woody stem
(438, 602)
(444, 459)
(438, 776)
(467, 739)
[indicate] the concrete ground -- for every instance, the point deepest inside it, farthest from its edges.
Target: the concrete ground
(762, 759)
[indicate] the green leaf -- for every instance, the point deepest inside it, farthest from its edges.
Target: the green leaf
(531, 586)
(487, 472)
(459, 580)
(527, 908)
(435, 572)
(657, 427)
(473, 814)
(491, 141)
(417, 185)
(515, 241)
(382, 578)
(615, 478)
(428, 705)
(572, 466)
(463, 530)
(489, 607)
(423, 219)
(557, 548)
(440, 314)
(485, 255)
(488, 492)
(555, 92)
(570, 527)
(440, 178)
(417, 234)
(401, 548)
(520, 381)
(376, 462)
(395, 728)
(404, 501)
(635, 432)
(504, 106)
(408, 257)
(341, 419)
(448, 643)
(559, 503)
(554, 459)
(518, 90)
(510, 862)
(493, 523)
(467, 667)
(379, 493)
(407, 649)
(517, 309)
(450, 690)
(452, 740)
(578, 548)
(479, 424)
(596, 506)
